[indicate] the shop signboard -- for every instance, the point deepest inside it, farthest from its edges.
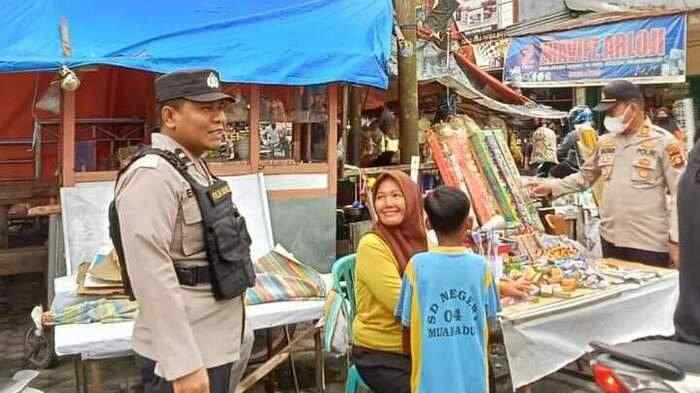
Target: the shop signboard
(648, 50)
(478, 16)
(489, 48)
(489, 55)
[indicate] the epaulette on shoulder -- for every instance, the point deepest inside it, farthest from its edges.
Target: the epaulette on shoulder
(148, 161)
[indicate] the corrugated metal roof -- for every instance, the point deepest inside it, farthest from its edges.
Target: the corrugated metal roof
(529, 110)
(600, 18)
(431, 68)
(667, 3)
(553, 19)
(594, 6)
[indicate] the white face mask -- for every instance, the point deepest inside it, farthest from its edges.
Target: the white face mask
(616, 125)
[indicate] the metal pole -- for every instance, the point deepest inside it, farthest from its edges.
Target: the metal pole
(408, 80)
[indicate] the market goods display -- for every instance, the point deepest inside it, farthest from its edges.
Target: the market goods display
(480, 161)
(511, 181)
(495, 181)
(530, 213)
(559, 270)
(548, 268)
(453, 155)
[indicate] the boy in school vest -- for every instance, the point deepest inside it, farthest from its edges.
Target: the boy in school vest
(447, 296)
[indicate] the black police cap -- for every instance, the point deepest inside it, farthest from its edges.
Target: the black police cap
(617, 91)
(192, 85)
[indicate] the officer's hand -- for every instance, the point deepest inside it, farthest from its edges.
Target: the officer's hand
(541, 190)
(196, 382)
(518, 289)
(674, 252)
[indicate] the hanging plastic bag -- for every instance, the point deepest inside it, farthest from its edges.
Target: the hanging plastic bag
(336, 335)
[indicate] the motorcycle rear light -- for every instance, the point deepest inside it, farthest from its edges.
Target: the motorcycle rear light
(607, 380)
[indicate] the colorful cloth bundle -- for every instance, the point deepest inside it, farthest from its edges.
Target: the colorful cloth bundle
(480, 162)
(532, 216)
(92, 311)
(488, 166)
(509, 182)
(281, 277)
(452, 152)
(511, 178)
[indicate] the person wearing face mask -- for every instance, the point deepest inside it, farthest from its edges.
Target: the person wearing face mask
(380, 349)
(639, 165)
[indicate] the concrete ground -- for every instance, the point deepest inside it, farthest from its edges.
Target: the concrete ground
(20, 293)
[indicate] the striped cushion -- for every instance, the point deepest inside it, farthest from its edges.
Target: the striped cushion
(282, 277)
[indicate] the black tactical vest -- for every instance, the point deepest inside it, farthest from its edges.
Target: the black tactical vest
(225, 234)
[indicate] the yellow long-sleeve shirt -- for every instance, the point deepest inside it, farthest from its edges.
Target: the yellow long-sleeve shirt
(377, 288)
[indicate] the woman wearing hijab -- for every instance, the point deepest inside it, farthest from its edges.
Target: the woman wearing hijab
(380, 350)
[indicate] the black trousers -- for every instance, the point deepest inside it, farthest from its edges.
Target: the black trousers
(383, 372)
(219, 379)
(561, 171)
(652, 258)
(544, 168)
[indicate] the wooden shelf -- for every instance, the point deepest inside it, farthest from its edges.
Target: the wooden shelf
(556, 100)
(23, 260)
(253, 165)
(379, 169)
(95, 176)
(122, 120)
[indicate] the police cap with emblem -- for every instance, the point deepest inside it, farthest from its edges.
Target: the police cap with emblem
(617, 91)
(192, 85)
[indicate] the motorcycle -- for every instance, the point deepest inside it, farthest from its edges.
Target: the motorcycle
(654, 366)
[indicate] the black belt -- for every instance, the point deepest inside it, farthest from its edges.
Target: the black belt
(192, 276)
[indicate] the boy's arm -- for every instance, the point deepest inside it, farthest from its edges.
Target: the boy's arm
(493, 304)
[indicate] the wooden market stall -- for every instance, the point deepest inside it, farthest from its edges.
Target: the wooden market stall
(298, 161)
(81, 139)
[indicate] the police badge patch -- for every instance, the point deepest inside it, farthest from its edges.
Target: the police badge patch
(645, 132)
(213, 81)
(219, 193)
(675, 155)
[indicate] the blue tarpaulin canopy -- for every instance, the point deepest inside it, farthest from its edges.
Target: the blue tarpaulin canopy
(286, 42)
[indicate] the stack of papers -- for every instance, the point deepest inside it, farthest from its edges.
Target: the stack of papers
(102, 276)
(104, 270)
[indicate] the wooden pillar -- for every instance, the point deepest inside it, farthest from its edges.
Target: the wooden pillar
(255, 127)
(307, 142)
(4, 226)
(408, 80)
(296, 141)
(152, 116)
(96, 380)
(344, 105)
(113, 84)
(68, 137)
(355, 132)
(332, 139)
